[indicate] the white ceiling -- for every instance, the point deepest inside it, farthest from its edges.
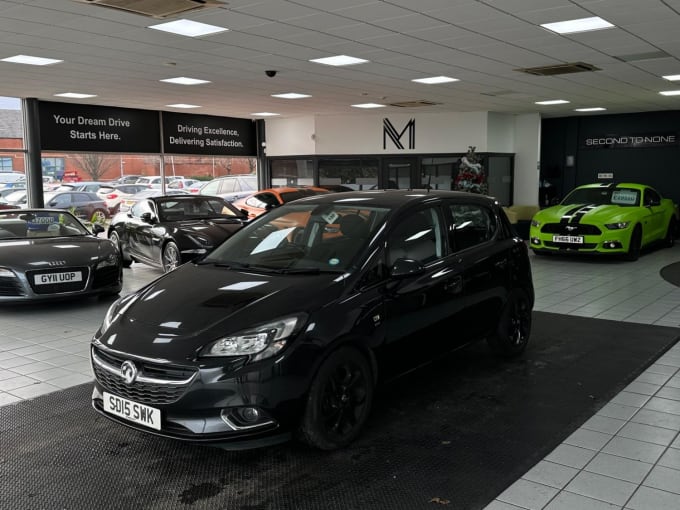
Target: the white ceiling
(113, 54)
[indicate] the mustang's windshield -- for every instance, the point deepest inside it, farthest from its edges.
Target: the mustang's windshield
(304, 237)
(22, 224)
(603, 196)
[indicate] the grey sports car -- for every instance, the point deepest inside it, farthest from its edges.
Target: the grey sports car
(49, 254)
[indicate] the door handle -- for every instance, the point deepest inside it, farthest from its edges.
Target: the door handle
(454, 285)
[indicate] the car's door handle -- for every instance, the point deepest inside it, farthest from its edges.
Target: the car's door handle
(501, 264)
(454, 285)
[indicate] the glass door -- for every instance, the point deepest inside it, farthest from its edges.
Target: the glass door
(400, 173)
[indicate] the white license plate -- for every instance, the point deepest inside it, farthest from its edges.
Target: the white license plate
(132, 411)
(52, 278)
(568, 239)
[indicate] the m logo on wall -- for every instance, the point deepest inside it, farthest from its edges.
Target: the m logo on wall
(390, 131)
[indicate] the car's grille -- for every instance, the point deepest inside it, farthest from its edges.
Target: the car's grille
(571, 246)
(163, 392)
(59, 287)
(105, 277)
(571, 229)
(10, 287)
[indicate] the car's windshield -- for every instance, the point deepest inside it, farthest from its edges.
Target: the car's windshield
(190, 208)
(21, 224)
(302, 237)
(603, 196)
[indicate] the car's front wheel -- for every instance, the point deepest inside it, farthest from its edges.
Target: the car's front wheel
(115, 239)
(514, 325)
(339, 400)
(171, 257)
(669, 240)
(98, 216)
(635, 244)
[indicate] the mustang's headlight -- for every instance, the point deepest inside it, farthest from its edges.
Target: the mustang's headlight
(262, 341)
(116, 310)
(617, 226)
(535, 223)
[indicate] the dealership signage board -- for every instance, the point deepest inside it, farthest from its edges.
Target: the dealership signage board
(628, 141)
(207, 134)
(87, 128)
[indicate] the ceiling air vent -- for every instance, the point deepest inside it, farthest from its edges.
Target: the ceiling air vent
(413, 104)
(572, 67)
(154, 8)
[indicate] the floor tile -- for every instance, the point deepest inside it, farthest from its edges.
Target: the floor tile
(658, 419)
(571, 456)
(551, 474)
(669, 393)
(601, 487)
(620, 468)
(6, 398)
(34, 390)
(630, 399)
(570, 501)
(670, 458)
(618, 411)
(529, 495)
(604, 424)
(590, 439)
(647, 433)
(642, 388)
(663, 405)
(665, 479)
(648, 498)
(633, 449)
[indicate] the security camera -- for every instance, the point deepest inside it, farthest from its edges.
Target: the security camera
(270, 73)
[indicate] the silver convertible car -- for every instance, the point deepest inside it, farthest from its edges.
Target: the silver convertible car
(49, 254)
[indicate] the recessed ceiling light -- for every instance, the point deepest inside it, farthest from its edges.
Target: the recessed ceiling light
(578, 25)
(182, 105)
(552, 101)
(435, 79)
(183, 80)
(368, 105)
(594, 109)
(188, 28)
(339, 60)
(670, 93)
(291, 95)
(264, 114)
(672, 77)
(33, 61)
(75, 95)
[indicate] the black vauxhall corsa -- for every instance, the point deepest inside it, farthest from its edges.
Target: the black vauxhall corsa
(285, 328)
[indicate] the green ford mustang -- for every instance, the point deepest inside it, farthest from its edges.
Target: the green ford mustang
(605, 219)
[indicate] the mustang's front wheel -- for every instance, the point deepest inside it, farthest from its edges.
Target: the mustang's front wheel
(635, 244)
(339, 400)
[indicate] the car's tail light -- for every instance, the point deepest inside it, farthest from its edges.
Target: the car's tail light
(111, 196)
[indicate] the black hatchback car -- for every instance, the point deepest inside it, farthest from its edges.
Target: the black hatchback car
(286, 328)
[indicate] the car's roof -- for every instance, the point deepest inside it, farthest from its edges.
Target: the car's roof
(393, 198)
(614, 185)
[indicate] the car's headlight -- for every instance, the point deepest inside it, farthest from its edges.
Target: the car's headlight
(261, 341)
(6, 273)
(535, 223)
(617, 226)
(110, 260)
(116, 310)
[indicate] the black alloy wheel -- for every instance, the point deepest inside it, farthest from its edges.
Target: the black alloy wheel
(339, 400)
(514, 326)
(635, 244)
(171, 257)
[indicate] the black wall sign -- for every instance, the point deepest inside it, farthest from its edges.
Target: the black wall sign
(389, 131)
(629, 141)
(206, 134)
(76, 127)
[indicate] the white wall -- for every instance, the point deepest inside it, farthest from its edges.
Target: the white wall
(363, 134)
(501, 132)
(527, 153)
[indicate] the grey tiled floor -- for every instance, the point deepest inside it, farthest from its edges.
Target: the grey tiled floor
(627, 456)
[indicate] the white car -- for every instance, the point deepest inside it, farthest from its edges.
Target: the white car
(114, 194)
(154, 182)
(231, 187)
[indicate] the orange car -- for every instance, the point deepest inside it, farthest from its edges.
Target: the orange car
(266, 199)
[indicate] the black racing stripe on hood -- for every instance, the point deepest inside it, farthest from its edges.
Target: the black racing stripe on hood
(574, 215)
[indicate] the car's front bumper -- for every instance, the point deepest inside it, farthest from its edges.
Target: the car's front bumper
(226, 403)
(608, 243)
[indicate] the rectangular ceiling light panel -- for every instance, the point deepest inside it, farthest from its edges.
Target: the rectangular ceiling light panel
(155, 8)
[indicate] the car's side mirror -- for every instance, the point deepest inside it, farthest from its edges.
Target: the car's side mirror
(97, 229)
(403, 268)
(148, 217)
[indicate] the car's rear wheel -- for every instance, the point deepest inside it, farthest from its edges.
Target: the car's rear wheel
(339, 400)
(514, 325)
(171, 257)
(113, 237)
(669, 240)
(98, 216)
(635, 244)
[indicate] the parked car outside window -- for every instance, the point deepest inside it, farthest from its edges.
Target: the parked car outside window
(285, 328)
(231, 187)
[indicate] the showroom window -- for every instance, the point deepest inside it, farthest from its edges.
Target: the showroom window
(356, 174)
(292, 172)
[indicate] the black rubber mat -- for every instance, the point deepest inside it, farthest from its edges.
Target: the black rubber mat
(455, 434)
(671, 273)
